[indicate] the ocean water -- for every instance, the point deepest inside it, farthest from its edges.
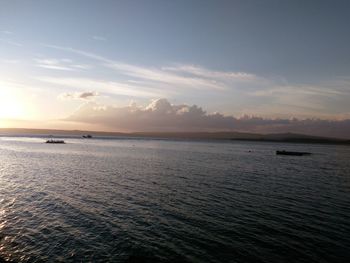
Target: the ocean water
(137, 200)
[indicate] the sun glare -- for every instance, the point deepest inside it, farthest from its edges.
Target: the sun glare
(11, 106)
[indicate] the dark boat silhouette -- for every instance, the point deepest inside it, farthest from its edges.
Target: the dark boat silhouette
(292, 153)
(87, 136)
(55, 141)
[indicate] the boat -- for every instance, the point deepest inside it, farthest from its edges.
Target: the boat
(292, 153)
(55, 141)
(87, 136)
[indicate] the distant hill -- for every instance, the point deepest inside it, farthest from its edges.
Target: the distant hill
(279, 137)
(296, 138)
(20, 131)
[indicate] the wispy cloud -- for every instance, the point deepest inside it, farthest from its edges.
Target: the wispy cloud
(241, 92)
(81, 66)
(109, 87)
(6, 32)
(317, 100)
(10, 61)
(211, 74)
(99, 38)
(11, 42)
(305, 90)
(60, 64)
(163, 76)
(184, 76)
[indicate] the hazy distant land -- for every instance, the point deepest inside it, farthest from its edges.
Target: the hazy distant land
(278, 137)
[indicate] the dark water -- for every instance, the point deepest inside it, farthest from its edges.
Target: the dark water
(147, 200)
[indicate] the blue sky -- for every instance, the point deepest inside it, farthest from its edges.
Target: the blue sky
(274, 59)
(290, 38)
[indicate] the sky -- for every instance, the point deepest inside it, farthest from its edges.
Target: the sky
(258, 66)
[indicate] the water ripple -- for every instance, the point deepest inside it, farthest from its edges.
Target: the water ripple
(172, 201)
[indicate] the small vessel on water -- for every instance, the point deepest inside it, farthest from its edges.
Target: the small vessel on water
(88, 136)
(292, 153)
(55, 141)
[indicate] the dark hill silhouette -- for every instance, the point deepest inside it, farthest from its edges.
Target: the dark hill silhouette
(228, 135)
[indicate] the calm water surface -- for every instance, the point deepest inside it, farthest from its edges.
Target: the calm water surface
(155, 200)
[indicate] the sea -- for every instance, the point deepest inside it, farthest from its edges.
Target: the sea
(156, 200)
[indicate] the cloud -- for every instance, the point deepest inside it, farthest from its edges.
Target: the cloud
(205, 73)
(158, 115)
(237, 92)
(81, 66)
(60, 64)
(167, 77)
(11, 61)
(161, 115)
(99, 38)
(108, 87)
(180, 76)
(6, 32)
(11, 42)
(79, 95)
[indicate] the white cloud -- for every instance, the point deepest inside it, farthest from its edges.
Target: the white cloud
(6, 32)
(156, 75)
(240, 92)
(64, 64)
(11, 61)
(161, 115)
(212, 74)
(87, 95)
(102, 86)
(99, 38)
(54, 67)
(184, 76)
(158, 115)
(81, 66)
(11, 42)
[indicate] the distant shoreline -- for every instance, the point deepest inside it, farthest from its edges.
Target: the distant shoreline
(220, 136)
(297, 140)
